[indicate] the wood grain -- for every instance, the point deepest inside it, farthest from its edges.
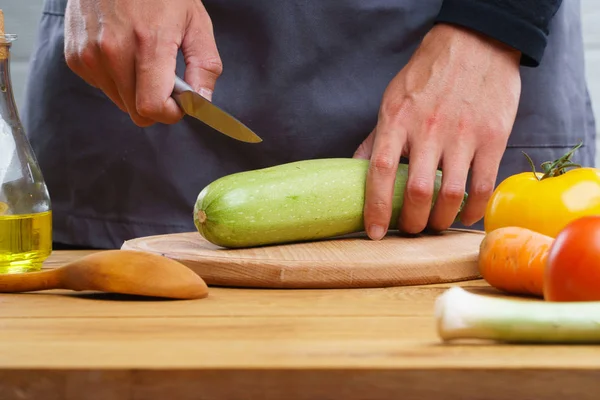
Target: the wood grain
(263, 342)
(230, 302)
(269, 344)
(348, 262)
(301, 384)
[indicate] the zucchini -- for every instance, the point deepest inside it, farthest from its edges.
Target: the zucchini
(293, 202)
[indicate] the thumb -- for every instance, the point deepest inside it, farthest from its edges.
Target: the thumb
(202, 59)
(366, 147)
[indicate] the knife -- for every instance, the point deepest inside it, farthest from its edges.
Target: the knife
(193, 104)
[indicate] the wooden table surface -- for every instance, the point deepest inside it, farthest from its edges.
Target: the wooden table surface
(267, 344)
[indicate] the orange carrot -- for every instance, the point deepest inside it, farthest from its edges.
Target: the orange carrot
(513, 259)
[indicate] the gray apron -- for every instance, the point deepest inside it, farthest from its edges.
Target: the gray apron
(307, 77)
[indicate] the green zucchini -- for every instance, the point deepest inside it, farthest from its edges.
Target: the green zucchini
(293, 202)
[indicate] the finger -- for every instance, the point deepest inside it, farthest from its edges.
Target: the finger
(82, 54)
(119, 63)
(381, 176)
(202, 59)
(366, 147)
(455, 166)
(418, 194)
(483, 180)
(155, 62)
(72, 37)
(85, 62)
(92, 66)
(74, 63)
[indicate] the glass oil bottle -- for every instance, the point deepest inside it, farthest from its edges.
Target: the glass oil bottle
(25, 209)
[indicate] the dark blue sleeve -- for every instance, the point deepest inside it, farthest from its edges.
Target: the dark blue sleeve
(521, 24)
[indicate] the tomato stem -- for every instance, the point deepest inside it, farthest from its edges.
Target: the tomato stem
(556, 167)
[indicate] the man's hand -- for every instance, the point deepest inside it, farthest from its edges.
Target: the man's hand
(452, 106)
(128, 49)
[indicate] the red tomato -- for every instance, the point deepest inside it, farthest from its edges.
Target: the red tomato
(573, 265)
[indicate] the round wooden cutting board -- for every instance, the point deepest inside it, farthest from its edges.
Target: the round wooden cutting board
(348, 262)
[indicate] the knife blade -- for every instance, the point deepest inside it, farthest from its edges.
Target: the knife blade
(193, 104)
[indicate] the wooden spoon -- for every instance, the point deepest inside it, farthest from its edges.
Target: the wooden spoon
(116, 271)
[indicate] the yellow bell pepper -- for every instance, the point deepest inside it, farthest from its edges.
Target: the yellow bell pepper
(545, 202)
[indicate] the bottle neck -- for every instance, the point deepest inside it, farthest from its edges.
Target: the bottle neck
(8, 108)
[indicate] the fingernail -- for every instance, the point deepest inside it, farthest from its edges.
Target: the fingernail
(206, 93)
(376, 232)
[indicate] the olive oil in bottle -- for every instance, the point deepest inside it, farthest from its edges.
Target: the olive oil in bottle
(25, 209)
(25, 241)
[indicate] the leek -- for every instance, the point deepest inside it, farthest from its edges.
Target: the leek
(464, 315)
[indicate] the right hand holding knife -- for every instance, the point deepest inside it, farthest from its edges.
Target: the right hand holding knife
(128, 49)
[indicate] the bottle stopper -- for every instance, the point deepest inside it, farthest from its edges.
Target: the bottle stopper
(3, 51)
